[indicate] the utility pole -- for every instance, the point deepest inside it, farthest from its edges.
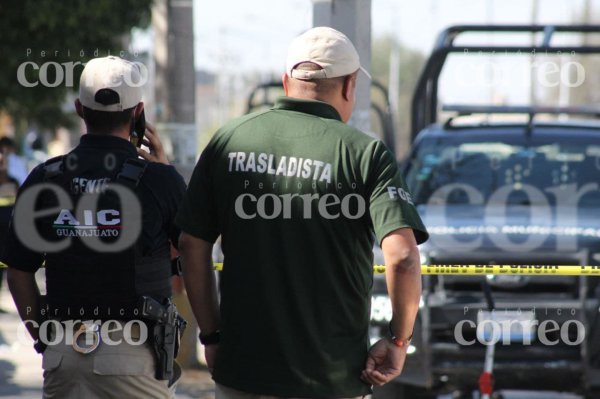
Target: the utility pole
(533, 76)
(175, 81)
(402, 141)
(175, 86)
(353, 18)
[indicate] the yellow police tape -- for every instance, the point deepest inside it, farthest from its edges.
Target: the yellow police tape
(7, 201)
(478, 270)
(475, 270)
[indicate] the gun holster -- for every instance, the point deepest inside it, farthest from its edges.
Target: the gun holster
(166, 330)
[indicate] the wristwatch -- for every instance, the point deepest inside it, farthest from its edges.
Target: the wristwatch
(210, 339)
(399, 342)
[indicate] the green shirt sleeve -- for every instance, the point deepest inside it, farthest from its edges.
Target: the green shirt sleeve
(391, 205)
(198, 214)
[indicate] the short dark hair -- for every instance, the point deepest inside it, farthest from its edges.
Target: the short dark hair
(324, 85)
(106, 122)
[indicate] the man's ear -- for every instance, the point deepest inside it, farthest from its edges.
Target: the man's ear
(347, 88)
(285, 79)
(79, 108)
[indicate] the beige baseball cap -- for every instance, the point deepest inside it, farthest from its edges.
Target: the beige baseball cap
(110, 84)
(326, 47)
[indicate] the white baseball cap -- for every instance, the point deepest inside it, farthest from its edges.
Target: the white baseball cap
(326, 47)
(110, 84)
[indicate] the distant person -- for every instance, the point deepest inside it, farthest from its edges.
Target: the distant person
(299, 198)
(17, 166)
(8, 192)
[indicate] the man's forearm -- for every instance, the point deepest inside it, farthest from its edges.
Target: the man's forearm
(201, 290)
(200, 282)
(26, 295)
(404, 288)
(403, 278)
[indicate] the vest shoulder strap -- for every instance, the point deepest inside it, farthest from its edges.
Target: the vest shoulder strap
(53, 167)
(132, 171)
(130, 175)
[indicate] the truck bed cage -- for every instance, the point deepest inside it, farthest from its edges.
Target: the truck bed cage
(530, 111)
(425, 99)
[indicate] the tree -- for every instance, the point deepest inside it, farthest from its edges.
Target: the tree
(63, 32)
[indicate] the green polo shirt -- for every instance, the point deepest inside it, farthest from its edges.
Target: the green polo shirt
(296, 196)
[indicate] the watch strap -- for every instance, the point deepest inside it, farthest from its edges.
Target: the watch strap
(399, 342)
(210, 339)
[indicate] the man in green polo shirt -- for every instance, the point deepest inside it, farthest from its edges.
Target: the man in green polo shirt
(298, 198)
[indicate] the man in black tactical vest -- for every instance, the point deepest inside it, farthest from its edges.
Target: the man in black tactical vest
(101, 219)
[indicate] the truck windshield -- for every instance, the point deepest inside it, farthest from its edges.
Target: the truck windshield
(563, 170)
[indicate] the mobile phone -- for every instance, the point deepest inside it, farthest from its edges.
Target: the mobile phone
(139, 128)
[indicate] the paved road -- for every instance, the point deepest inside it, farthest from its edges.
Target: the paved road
(21, 366)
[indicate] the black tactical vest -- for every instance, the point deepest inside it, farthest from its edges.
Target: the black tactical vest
(96, 276)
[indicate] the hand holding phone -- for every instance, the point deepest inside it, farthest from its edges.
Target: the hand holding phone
(139, 130)
(152, 141)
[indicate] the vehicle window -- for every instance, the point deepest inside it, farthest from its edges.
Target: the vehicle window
(564, 171)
